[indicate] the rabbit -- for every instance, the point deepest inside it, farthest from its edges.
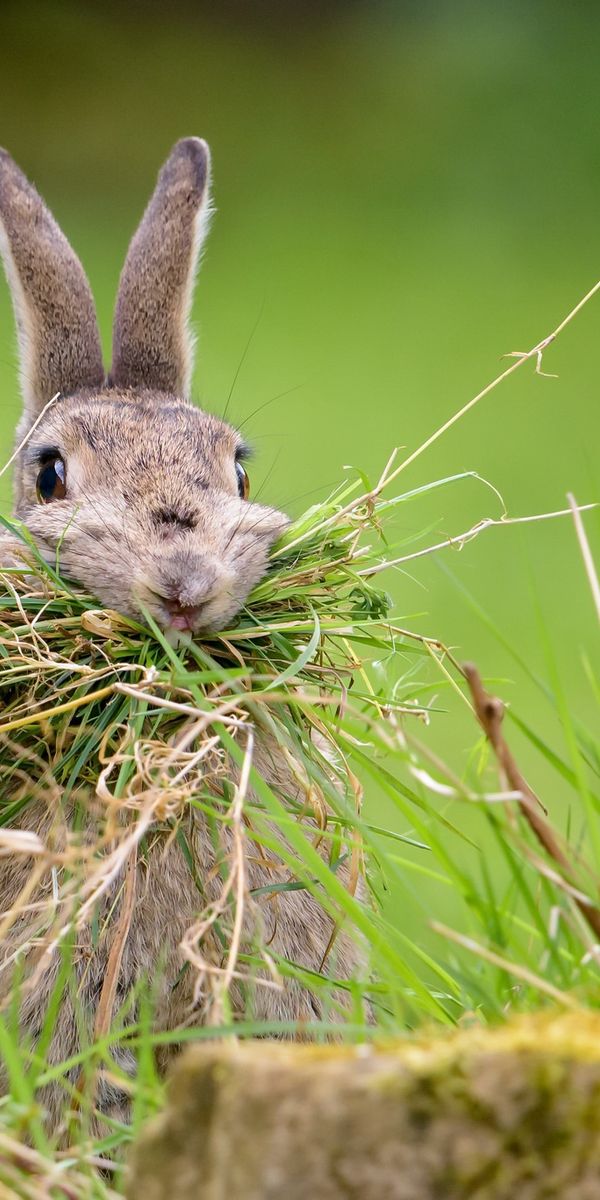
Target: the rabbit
(147, 497)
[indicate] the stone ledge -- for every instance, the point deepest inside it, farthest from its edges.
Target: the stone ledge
(489, 1115)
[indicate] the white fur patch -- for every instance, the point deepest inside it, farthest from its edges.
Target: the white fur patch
(189, 339)
(25, 323)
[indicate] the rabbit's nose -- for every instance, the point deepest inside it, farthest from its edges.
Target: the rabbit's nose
(186, 584)
(192, 592)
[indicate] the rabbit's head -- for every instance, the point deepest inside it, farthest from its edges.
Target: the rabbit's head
(143, 497)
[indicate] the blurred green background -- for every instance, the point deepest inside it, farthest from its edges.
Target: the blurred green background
(404, 192)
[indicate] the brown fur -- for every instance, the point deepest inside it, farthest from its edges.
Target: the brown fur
(56, 321)
(151, 345)
(151, 515)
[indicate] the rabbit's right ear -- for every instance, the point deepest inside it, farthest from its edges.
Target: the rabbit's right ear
(56, 322)
(152, 345)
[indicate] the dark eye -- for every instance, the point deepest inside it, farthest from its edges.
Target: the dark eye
(52, 481)
(243, 481)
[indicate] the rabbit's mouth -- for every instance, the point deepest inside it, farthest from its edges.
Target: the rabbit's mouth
(200, 603)
(184, 617)
(172, 615)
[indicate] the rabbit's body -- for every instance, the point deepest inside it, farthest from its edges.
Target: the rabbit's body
(144, 498)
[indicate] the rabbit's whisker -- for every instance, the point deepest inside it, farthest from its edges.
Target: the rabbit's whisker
(112, 533)
(269, 473)
(233, 534)
(266, 403)
(244, 356)
(249, 529)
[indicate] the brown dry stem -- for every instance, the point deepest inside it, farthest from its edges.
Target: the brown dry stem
(489, 711)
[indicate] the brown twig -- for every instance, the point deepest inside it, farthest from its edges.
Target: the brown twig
(489, 711)
(104, 1013)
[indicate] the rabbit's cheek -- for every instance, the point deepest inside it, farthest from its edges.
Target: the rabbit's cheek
(48, 524)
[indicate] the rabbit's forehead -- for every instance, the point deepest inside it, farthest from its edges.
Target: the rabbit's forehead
(128, 434)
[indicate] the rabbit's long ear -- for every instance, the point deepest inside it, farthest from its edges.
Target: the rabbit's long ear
(152, 345)
(56, 322)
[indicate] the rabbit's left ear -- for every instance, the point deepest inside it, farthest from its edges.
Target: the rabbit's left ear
(56, 322)
(152, 345)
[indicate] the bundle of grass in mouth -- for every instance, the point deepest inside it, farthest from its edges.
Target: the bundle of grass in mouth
(180, 825)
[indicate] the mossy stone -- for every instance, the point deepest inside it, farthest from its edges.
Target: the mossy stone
(483, 1115)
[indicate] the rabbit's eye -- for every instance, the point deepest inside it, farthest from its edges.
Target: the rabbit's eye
(52, 481)
(243, 481)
